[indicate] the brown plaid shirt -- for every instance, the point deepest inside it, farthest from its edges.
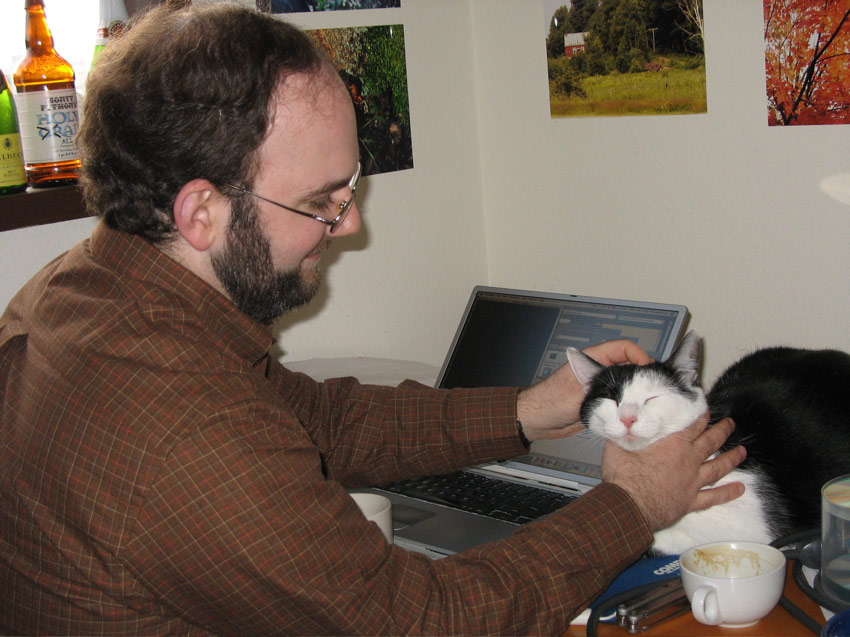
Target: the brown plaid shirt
(161, 473)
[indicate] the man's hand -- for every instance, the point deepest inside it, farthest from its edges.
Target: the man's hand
(551, 409)
(666, 479)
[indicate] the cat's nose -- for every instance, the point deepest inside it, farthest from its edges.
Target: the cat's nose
(627, 414)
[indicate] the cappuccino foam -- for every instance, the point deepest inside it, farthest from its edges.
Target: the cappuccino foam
(726, 562)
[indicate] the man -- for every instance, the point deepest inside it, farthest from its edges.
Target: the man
(161, 473)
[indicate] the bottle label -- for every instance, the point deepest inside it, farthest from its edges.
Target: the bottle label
(49, 121)
(12, 171)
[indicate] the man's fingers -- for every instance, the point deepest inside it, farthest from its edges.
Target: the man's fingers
(571, 430)
(716, 468)
(712, 439)
(711, 472)
(696, 428)
(717, 495)
(618, 352)
(634, 354)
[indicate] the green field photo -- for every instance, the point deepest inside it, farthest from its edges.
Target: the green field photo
(626, 57)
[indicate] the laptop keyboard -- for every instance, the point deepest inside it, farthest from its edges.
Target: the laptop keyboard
(475, 493)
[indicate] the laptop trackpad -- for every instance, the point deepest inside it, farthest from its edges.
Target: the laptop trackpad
(404, 516)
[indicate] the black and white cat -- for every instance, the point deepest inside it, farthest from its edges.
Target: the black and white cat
(790, 409)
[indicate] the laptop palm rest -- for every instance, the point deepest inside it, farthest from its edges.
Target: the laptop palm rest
(417, 523)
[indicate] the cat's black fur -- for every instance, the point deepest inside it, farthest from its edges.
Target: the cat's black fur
(792, 413)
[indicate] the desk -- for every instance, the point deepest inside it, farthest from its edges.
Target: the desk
(780, 623)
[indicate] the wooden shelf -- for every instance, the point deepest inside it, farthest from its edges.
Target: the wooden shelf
(38, 206)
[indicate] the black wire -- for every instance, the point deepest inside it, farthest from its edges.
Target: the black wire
(815, 592)
(796, 612)
(793, 538)
(799, 614)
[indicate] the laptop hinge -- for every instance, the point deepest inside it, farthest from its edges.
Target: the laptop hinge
(528, 476)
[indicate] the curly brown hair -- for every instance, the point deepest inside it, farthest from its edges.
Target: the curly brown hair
(182, 94)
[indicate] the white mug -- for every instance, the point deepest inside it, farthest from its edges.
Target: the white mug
(377, 509)
(733, 584)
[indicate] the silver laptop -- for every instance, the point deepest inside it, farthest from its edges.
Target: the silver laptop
(517, 338)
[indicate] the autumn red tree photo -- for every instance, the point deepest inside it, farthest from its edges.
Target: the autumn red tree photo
(807, 59)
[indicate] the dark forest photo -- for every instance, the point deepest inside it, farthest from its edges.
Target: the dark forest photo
(297, 6)
(371, 62)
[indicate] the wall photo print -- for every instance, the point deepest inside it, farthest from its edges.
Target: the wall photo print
(807, 61)
(371, 62)
(625, 57)
(297, 6)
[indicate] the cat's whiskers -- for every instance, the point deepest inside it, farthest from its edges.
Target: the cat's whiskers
(594, 434)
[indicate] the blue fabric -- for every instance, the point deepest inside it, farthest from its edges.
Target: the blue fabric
(646, 570)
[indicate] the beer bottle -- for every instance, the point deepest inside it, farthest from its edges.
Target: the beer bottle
(13, 178)
(113, 19)
(47, 106)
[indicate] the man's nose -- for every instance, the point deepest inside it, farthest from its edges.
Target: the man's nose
(351, 223)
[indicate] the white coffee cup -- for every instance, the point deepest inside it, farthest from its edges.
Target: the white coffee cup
(733, 584)
(377, 509)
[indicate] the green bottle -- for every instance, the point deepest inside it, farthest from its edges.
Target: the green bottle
(113, 20)
(13, 177)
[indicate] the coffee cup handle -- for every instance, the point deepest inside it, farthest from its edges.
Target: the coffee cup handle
(705, 607)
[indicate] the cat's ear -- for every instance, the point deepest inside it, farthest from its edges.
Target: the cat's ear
(584, 367)
(687, 357)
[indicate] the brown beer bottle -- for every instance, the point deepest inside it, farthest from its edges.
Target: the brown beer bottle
(47, 106)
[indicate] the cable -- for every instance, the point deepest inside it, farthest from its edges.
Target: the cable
(801, 616)
(793, 538)
(817, 595)
(796, 612)
(812, 592)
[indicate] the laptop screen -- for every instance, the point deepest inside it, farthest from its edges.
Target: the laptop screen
(511, 337)
(517, 338)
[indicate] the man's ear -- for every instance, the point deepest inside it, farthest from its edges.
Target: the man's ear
(200, 214)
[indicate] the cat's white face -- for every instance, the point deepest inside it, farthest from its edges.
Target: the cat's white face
(654, 402)
(649, 410)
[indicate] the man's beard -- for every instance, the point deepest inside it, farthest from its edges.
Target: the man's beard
(246, 270)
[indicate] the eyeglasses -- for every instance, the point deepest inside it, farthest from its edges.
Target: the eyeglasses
(342, 206)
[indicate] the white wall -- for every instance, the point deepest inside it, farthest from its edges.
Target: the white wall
(400, 291)
(716, 211)
(23, 252)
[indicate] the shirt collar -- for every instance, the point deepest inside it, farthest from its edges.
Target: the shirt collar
(131, 256)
